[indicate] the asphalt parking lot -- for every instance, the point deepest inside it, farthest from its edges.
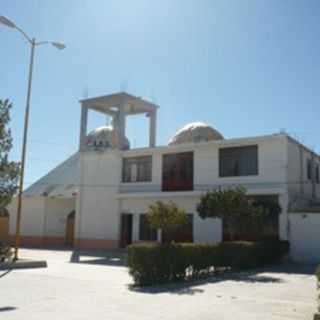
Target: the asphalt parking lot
(96, 285)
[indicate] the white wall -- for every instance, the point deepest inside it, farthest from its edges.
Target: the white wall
(299, 185)
(272, 158)
(271, 179)
(305, 237)
(271, 163)
(97, 207)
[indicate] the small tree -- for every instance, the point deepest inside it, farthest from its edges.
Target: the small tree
(9, 170)
(167, 217)
(232, 205)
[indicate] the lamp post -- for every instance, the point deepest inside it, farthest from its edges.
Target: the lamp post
(33, 44)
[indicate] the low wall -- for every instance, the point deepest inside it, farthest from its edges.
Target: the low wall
(305, 237)
(4, 228)
(317, 315)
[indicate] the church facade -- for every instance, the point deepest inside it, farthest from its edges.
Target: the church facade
(98, 197)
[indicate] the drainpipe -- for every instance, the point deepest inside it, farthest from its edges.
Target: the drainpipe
(313, 180)
(301, 171)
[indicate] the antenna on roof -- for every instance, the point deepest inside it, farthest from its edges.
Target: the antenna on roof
(124, 86)
(153, 96)
(85, 92)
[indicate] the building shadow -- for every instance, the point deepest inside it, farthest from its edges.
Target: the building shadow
(292, 268)
(7, 308)
(114, 258)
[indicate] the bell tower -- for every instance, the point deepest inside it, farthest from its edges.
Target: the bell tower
(118, 106)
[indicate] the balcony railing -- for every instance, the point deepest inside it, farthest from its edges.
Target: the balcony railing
(149, 188)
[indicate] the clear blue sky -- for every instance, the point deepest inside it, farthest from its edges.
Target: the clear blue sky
(245, 67)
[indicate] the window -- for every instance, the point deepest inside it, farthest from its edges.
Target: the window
(146, 233)
(248, 230)
(238, 161)
(309, 169)
(183, 234)
(138, 169)
(177, 171)
(317, 174)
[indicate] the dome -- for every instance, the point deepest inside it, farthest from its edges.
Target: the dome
(195, 132)
(104, 137)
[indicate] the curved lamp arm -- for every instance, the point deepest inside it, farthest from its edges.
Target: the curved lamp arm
(8, 23)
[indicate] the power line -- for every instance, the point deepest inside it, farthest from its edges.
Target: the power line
(57, 144)
(16, 158)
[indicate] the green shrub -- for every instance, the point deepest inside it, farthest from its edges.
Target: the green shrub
(318, 273)
(155, 264)
(239, 254)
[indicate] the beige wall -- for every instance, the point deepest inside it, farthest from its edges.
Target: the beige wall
(32, 216)
(43, 220)
(56, 212)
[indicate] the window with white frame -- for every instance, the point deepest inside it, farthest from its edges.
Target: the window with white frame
(238, 161)
(317, 174)
(137, 169)
(309, 169)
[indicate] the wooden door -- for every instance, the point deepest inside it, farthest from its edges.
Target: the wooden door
(126, 229)
(177, 174)
(70, 229)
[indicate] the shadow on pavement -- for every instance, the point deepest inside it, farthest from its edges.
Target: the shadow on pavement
(292, 268)
(191, 287)
(5, 309)
(4, 273)
(100, 257)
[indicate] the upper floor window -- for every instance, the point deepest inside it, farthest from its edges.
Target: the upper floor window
(238, 161)
(317, 174)
(177, 171)
(137, 169)
(309, 169)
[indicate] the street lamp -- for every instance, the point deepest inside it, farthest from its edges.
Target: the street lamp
(33, 43)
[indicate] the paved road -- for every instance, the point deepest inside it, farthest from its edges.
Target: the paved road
(96, 287)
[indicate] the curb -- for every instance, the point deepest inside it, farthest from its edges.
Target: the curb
(23, 264)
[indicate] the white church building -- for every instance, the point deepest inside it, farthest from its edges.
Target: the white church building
(98, 197)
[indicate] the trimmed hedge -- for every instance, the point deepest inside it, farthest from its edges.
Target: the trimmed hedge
(151, 263)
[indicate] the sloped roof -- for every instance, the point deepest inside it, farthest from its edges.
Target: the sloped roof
(62, 181)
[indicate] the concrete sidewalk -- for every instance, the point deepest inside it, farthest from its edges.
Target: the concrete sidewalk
(96, 286)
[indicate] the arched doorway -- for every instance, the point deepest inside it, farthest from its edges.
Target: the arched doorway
(4, 225)
(69, 240)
